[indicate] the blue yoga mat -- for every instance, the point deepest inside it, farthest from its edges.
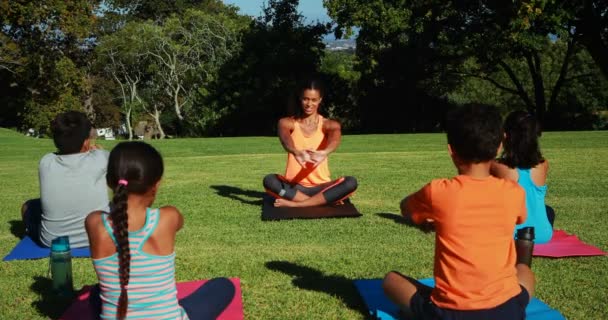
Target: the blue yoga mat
(380, 307)
(28, 249)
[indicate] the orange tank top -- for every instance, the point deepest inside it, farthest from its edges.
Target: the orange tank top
(307, 176)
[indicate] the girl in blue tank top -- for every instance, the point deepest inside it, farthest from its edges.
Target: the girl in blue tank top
(523, 162)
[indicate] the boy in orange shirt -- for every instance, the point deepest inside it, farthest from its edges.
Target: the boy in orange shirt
(474, 215)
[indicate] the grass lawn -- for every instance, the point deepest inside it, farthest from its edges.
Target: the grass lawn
(303, 269)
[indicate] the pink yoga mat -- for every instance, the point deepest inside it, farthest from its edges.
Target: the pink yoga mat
(566, 245)
(79, 310)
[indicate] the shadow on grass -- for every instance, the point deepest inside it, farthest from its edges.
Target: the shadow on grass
(399, 219)
(235, 193)
(17, 228)
(312, 279)
(49, 303)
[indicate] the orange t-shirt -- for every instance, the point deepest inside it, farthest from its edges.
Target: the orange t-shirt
(308, 176)
(474, 250)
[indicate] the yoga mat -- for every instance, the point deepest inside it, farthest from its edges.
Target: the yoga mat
(28, 249)
(345, 210)
(563, 244)
(80, 310)
(380, 307)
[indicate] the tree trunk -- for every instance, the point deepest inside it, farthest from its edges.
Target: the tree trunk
(128, 120)
(521, 91)
(562, 75)
(156, 116)
(590, 28)
(178, 110)
(534, 65)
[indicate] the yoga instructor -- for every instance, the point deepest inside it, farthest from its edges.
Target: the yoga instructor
(308, 138)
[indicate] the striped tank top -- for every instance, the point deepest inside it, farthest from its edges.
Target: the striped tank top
(310, 175)
(151, 289)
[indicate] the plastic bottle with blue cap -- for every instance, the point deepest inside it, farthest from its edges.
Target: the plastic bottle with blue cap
(61, 266)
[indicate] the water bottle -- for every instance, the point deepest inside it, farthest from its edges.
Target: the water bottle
(61, 266)
(525, 245)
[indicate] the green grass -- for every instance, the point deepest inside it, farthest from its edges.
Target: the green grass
(303, 269)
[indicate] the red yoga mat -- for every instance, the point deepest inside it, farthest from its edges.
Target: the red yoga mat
(563, 244)
(79, 310)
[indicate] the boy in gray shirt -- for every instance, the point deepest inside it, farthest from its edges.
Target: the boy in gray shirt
(72, 184)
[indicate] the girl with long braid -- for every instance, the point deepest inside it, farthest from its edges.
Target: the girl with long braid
(133, 247)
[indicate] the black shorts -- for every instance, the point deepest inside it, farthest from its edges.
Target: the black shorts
(32, 218)
(513, 309)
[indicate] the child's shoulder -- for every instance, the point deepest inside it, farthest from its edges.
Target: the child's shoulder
(170, 216)
(169, 210)
(93, 221)
(48, 157)
(99, 153)
(461, 181)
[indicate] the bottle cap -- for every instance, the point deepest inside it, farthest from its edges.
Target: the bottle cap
(61, 244)
(526, 233)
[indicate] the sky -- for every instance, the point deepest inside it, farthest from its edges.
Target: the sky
(312, 10)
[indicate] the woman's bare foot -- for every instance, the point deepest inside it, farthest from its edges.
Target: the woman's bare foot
(285, 203)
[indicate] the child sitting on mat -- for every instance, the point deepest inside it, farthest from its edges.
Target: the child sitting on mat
(76, 171)
(133, 247)
(474, 215)
(522, 161)
(308, 138)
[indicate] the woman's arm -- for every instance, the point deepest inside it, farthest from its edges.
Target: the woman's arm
(333, 130)
(286, 126)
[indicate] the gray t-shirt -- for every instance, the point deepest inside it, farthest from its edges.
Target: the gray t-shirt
(71, 187)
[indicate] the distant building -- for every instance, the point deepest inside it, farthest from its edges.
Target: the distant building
(341, 44)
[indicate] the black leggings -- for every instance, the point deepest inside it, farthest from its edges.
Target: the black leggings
(550, 214)
(332, 191)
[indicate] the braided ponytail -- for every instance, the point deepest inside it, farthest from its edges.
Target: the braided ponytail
(120, 227)
(133, 168)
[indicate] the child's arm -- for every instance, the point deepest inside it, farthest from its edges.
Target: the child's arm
(404, 211)
(417, 208)
(502, 171)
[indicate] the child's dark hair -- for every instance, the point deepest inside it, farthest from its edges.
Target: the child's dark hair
(308, 83)
(474, 132)
(70, 130)
(133, 167)
(521, 148)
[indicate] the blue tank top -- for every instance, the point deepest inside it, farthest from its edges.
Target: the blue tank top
(535, 205)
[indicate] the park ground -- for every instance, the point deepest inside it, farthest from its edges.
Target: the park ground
(304, 269)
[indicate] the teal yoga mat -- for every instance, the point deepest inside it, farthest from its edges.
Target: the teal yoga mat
(380, 307)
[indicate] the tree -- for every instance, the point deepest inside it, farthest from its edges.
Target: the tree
(339, 101)
(187, 52)
(120, 58)
(10, 55)
(589, 19)
(444, 34)
(44, 47)
(159, 10)
(256, 84)
(171, 61)
(402, 55)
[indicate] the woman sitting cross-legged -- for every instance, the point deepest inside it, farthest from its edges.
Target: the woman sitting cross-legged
(308, 138)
